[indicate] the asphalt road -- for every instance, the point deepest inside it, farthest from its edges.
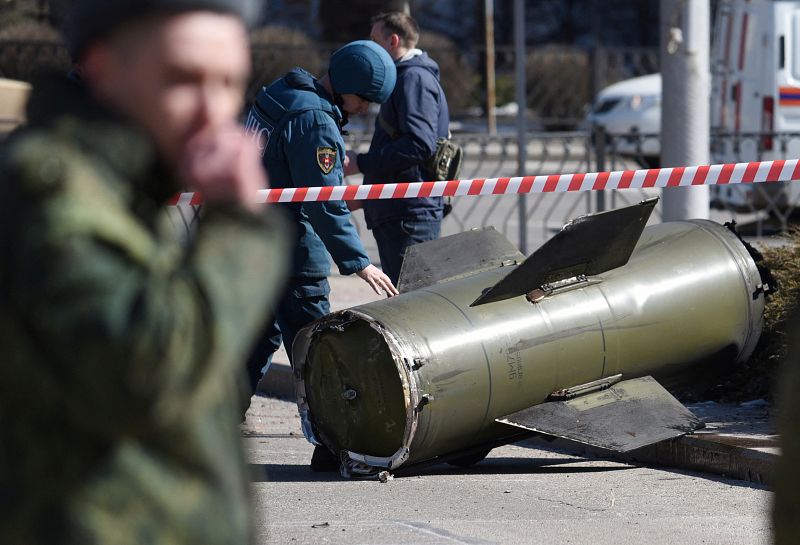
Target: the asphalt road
(519, 494)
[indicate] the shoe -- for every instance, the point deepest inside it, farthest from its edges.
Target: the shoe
(323, 460)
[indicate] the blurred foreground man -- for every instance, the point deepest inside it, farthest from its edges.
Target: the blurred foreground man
(786, 507)
(122, 352)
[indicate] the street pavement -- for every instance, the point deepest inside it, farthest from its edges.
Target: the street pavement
(518, 494)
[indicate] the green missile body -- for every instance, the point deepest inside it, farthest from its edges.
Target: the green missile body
(484, 345)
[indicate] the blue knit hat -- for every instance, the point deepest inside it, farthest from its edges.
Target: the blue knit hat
(84, 21)
(365, 69)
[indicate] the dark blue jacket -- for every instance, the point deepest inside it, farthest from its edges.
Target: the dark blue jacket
(297, 127)
(418, 111)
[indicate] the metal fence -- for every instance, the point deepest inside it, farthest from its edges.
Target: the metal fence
(24, 59)
(487, 156)
(759, 209)
(561, 81)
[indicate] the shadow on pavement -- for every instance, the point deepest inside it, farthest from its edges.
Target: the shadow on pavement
(511, 466)
(286, 473)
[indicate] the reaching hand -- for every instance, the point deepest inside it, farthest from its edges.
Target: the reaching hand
(379, 282)
(350, 163)
(224, 166)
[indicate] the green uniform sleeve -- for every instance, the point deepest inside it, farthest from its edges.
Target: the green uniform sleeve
(135, 328)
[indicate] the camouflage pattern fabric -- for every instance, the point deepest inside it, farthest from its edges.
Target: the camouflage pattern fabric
(122, 353)
(786, 510)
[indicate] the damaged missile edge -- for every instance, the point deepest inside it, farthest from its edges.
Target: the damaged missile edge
(354, 464)
(769, 284)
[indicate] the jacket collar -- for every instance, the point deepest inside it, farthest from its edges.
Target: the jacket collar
(65, 107)
(410, 54)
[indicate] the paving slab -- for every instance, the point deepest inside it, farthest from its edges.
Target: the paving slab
(518, 494)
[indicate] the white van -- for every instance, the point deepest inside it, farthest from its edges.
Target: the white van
(628, 110)
(755, 74)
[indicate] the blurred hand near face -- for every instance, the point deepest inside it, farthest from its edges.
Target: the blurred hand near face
(225, 166)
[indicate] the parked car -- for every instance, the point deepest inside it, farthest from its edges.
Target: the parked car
(630, 110)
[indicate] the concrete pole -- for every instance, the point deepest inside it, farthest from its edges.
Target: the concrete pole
(488, 15)
(522, 125)
(686, 84)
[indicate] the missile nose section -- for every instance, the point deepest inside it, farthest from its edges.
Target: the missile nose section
(354, 389)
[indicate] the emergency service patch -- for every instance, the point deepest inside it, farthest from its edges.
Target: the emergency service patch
(326, 158)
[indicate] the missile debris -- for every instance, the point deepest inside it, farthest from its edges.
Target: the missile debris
(483, 344)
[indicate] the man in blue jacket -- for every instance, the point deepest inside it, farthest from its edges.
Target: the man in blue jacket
(409, 124)
(296, 123)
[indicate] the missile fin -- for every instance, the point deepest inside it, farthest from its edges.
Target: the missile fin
(455, 256)
(587, 245)
(623, 417)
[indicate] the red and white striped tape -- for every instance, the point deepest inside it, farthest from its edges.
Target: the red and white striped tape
(732, 173)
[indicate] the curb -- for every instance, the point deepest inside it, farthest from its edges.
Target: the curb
(704, 452)
(707, 453)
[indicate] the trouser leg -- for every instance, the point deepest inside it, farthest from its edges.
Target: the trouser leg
(261, 357)
(393, 237)
(307, 302)
(304, 301)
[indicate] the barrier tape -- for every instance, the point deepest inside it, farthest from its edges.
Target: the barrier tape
(731, 173)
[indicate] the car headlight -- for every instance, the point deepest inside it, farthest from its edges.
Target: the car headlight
(643, 102)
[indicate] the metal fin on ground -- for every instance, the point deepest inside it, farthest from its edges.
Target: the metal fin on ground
(587, 245)
(455, 256)
(627, 415)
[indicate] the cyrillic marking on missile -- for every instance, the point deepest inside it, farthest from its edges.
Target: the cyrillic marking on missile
(514, 364)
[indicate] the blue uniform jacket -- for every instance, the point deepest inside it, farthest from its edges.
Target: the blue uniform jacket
(418, 111)
(297, 128)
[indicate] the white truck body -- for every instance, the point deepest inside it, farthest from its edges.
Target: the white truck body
(755, 75)
(755, 66)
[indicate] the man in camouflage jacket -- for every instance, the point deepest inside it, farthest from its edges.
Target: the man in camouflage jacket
(123, 353)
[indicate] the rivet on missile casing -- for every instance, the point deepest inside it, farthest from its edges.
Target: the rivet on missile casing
(620, 310)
